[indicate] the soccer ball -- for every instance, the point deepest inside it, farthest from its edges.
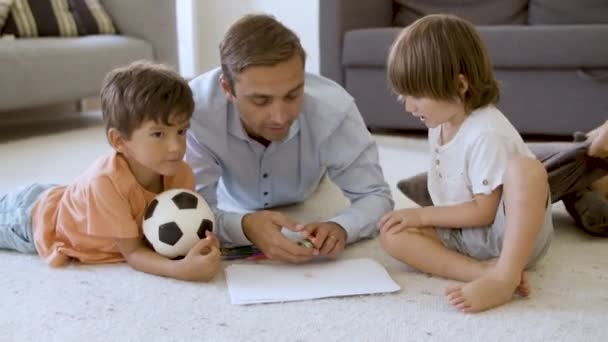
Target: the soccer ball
(176, 220)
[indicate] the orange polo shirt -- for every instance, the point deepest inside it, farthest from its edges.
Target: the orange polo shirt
(81, 221)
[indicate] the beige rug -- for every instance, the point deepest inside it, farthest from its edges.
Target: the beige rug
(115, 303)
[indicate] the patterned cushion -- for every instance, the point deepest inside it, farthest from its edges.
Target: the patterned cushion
(479, 12)
(5, 6)
(66, 18)
(91, 17)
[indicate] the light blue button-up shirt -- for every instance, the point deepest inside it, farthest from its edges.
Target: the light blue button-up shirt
(237, 174)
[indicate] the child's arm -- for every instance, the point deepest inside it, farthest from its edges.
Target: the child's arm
(479, 212)
(201, 263)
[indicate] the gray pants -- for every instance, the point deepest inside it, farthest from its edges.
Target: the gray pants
(483, 243)
(571, 172)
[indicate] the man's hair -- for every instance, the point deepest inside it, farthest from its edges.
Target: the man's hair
(143, 91)
(428, 55)
(257, 39)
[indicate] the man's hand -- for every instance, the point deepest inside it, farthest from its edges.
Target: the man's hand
(328, 237)
(398, 220)
(263, 228)
(202, 261)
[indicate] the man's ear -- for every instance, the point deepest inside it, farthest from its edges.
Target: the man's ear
(463, 85)
(117, 140)
(226, 87)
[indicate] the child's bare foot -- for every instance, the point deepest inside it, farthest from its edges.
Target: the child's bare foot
(599, 141)
(523, 289)
(490, 290)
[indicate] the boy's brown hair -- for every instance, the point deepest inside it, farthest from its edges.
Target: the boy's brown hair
(257, 39)
(427, 57)
(143, 91)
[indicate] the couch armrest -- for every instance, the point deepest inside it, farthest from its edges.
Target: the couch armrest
(154, 21)
(338, 16)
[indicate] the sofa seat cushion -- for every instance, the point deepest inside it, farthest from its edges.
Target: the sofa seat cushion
(62, 69)
(509, 46)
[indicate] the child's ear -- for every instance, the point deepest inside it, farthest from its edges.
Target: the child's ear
(116, 140)
(463, 85)
(226, 87)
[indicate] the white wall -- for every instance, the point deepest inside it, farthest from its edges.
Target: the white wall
(202, 29)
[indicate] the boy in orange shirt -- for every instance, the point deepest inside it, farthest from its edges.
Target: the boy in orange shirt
(97, 219)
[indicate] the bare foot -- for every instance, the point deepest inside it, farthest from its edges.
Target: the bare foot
(488, 291)
(523, 289)
(599, 141)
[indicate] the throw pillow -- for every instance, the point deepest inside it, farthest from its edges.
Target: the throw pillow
(38, 18)
(91, 17)
(65, 18)
(5, 6)
(479, 12)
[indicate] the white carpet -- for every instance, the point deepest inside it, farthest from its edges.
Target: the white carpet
(115, 303)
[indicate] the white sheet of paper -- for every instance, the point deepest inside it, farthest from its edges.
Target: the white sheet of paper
(260, 283)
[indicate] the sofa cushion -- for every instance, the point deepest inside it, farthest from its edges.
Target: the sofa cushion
(568, 12)
(479, 12)
(91, 17)
(5, 6)
(37, 18)
(509, 46)
(37, 71)
(66, 18)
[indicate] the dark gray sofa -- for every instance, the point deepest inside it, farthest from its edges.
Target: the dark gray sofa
(551, 57)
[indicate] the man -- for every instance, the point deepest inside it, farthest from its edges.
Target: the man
(265, 133)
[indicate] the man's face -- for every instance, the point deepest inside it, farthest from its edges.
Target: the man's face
(268, 98)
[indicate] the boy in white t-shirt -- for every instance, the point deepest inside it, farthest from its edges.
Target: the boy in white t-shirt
(492, 217)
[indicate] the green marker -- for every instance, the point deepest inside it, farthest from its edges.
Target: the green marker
(306, 243)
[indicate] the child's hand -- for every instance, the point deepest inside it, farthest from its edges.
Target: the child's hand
(202, 261)
(398, 220)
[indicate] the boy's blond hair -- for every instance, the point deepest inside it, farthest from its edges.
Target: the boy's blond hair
(257, 39)
(143, 91)
(428, 55)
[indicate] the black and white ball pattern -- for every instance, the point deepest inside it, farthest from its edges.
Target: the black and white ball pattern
(176, 220)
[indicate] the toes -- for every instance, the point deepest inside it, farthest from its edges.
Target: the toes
(455, 296)
(451, 289)
(464, 307)
(457, 301)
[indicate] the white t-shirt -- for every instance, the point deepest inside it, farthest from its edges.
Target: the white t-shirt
(476, 158)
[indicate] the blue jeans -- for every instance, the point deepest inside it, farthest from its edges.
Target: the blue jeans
(16, 217)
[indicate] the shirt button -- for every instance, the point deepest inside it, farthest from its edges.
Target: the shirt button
(265, 193)
(440, 175)
(265, 204)
(485, 182)
(265, 175)
(437, 161)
